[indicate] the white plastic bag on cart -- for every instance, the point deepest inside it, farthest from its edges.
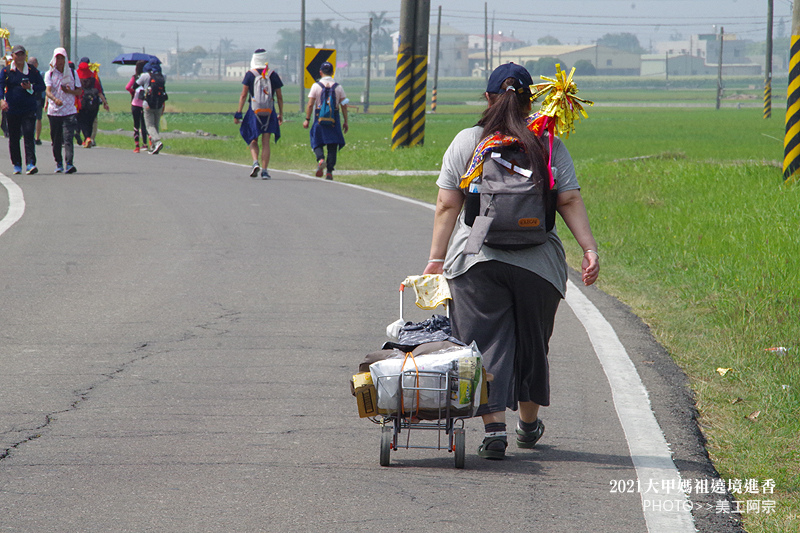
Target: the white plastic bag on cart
(423, 383)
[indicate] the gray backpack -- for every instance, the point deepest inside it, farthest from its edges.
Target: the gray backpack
(509, 206)
(262, 101)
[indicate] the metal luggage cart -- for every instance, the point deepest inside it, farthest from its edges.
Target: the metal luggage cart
(442, 420)
(446, 419)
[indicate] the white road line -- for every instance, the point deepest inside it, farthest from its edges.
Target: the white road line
(16, 203)
(664, 511)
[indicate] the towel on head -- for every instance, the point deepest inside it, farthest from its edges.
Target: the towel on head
(67, 74)
(259, 59)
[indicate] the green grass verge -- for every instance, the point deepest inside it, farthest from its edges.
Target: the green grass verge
(697, 234)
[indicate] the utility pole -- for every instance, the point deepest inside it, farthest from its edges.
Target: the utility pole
(719, 66)
(491, 43)
(75, 38)
(219, 60)
(302, 60)
(177, 54)
(791, 141)
(422, 34)
(408, 122)
(369, 65)
(65, 33)
(768, 66)
(486, 40)
(436, 68)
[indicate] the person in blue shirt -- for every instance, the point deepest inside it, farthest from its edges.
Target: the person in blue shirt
(19, 84)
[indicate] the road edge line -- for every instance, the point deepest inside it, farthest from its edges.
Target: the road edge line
(16, 203)
(664, 510)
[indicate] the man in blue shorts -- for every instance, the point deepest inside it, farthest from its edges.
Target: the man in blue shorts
(262, 88)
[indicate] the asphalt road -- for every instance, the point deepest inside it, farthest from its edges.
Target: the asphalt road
(176, 341)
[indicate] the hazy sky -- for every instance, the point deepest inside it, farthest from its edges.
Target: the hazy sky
(159, 25)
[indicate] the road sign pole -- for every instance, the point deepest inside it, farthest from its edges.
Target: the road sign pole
(302, 59)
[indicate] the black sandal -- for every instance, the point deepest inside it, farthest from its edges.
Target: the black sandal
(528, 439)
(489, 450)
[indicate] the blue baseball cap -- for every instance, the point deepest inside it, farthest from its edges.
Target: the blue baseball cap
(509, 70)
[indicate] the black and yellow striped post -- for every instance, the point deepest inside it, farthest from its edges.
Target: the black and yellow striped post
(420, 66)
(791, 141)
(418, 89)
(768, 98)
(401, 123)
(408, 123)
(768, 65)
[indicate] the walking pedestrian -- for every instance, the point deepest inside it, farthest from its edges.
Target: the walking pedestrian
(506, 299)
(19, 84)
(137, 110)
(40, 100)
(95, 69)
(325, 99)
(155, 96)
(262, 90)
(90, 103)
(63, 87)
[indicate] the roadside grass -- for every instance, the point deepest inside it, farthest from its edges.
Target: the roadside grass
(708, 254)
(697, 234)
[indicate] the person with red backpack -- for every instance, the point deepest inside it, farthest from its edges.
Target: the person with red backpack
(89, 104)
(262, 87)
(326, 98)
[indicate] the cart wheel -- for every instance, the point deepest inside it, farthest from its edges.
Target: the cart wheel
(387, 433)
(460, 445)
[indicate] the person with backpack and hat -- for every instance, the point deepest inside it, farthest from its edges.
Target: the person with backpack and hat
(325, 99)
(19, 85)
(262, 88)
(505, 296)
(153, 83)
